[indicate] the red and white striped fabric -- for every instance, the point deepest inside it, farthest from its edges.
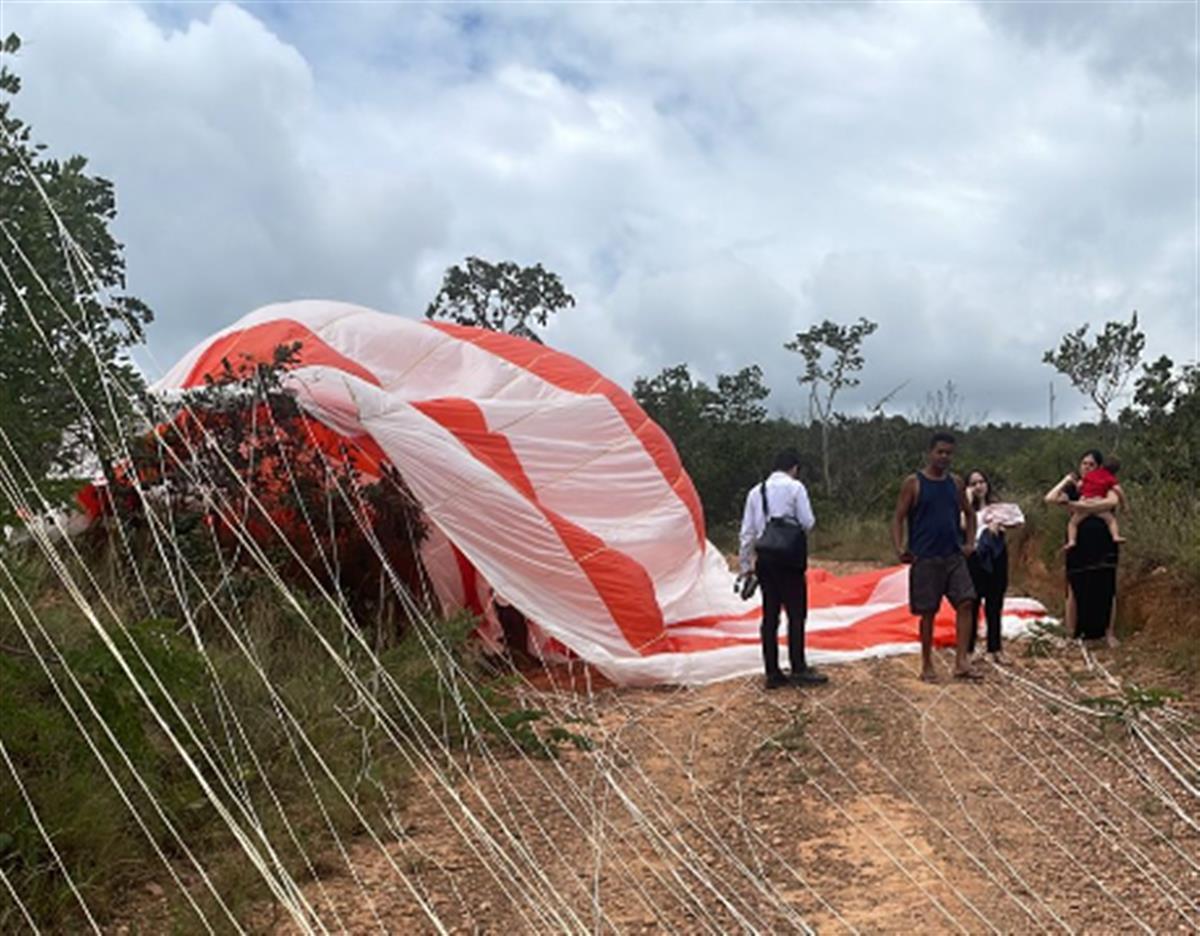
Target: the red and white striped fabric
(546, 482)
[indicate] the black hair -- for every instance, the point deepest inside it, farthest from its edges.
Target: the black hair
(941, 436)
(1097, 456)
(990, 496)
(786, 460)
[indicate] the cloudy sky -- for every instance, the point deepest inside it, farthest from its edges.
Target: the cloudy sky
(707, 179)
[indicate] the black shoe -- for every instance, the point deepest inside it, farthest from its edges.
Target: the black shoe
(776, 681)
(809, 677)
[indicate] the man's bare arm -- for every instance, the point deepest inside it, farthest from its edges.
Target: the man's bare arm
(904, 504)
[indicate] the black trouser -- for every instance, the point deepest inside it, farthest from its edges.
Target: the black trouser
(782, 587)
(989, 591)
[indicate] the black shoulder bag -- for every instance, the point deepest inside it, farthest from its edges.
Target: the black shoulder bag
(783, 542)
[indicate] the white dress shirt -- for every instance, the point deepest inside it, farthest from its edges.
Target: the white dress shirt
(786, 497)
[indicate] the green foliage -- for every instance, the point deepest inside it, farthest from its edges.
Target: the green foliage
(721, 434)
(1131, 703)
(95, 832)
(832, 356)
(65, 322)
(1099, 369)
(500, 297)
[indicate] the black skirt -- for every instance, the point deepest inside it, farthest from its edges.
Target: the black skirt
(1092, 576)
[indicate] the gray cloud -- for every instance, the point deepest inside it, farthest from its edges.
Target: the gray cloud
(709, 180)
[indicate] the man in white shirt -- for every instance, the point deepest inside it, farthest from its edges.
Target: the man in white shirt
(783, 583)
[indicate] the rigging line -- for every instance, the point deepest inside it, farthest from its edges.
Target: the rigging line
(713, 838)
(1108, 787)
(37, 821)
(66, 234)
(112, 408)
(81, 602)
(1121, 761)
(298, 757)
(66, 375)
(988, 840)
(1092, 716)
(117, 746)
(18, 902)
(768, 739)
(959, 895)
(1127, 845)
(664, 814)
(362, 507)
(974, 858)
(1029, 818)
(402, 593)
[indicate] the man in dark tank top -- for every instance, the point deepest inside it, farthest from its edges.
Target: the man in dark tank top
(934, 506)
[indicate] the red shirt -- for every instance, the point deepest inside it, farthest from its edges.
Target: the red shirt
(1097, 483)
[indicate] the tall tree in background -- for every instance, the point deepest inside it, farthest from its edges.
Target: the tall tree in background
(1099, 369)
(832, 356)
(500, 297)
(66, 326)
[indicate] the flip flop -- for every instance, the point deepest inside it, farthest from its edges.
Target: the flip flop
(969, 676)
(931, 678)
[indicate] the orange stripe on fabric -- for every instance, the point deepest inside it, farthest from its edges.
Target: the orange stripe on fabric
(467, 577)
(893, 626)
(567, 373)
(258, 343)
(622, 583)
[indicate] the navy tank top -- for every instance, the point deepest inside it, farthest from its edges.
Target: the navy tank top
(933, 522)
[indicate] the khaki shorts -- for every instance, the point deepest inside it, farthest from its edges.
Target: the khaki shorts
(930, 579)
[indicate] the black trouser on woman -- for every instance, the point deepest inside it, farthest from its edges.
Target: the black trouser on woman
(783, 587)
(989, 592)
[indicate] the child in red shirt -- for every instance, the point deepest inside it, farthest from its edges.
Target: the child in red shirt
(1095, 485)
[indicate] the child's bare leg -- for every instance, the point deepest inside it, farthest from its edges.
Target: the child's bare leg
(1114, 528)
(1072, 531)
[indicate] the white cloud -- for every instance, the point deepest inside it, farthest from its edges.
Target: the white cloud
(708, 180)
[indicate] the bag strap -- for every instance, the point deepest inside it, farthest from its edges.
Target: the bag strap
(766, 510)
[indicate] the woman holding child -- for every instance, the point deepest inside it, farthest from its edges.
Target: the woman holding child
(1092, 547)
(988, 564)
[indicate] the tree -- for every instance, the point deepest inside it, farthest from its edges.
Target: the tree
(66, 325)
(738, 400)
(1099, 369)
(500, 297)
(721, 435)
(841, 345)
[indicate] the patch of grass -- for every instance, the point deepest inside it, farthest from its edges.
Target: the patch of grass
(228, 722)
(1132, 702)
(791, 738)
(1044, 637)
(866, 718)
(850, 538)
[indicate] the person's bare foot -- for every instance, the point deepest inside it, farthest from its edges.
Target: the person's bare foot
(928, 675)
(968, 675)
(1000, 659)
(1111, 639)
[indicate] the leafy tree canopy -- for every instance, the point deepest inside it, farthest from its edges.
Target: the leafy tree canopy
(1099, 368)
(66, 324)
(500, 297)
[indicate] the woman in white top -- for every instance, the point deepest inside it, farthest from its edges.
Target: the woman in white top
(988, 564)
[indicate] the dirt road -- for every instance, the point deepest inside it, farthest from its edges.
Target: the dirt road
(876, 803)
